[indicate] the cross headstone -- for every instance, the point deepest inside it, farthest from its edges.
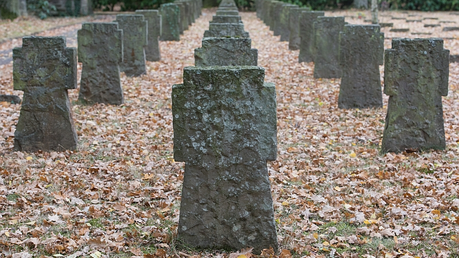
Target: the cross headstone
(226, 52)
(307, 19)
(415, 77)
(326, 45)
(170, 15)
(44, 68)
(135, 29)
(361, 54)
(100, 49)
(152, 51)
(225, 131)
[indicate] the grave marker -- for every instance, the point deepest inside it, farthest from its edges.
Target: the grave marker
(44, 68)
(152, 51)
(100, 49)
(307, 19)
(170, 15)
(326, 44)
(135, 29)
(225, 131)
(415, 78)
(361, 54)
(294, 27)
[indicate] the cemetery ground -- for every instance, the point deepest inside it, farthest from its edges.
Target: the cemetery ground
(334, 194)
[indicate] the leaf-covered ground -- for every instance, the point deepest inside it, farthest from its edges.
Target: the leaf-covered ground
(334, 194)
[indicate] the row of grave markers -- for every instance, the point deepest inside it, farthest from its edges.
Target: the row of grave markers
(416, 71)
(44, 68)
(225, 129)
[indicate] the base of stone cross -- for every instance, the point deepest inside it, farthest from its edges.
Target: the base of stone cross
(225, 131)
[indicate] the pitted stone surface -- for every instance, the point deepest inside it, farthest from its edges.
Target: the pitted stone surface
(284, 22)
(226, 52)
(294, 27)
(100, 49)
(415, 77)
(326, 44)
(152, 51)
(225, 131)
(44, 68)
(361, 54)
(226, 19)
(307, 19)
(170, 15)
(219, 30)
(135, 33)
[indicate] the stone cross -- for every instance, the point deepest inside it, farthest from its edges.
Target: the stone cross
(226, 52)
(326, 45)
(100, 49)
(224, 121)
(44, 68)
(415, 77)
(135, 39)
(170, 15)
(361, 54)
(307, 19)
(152, 51)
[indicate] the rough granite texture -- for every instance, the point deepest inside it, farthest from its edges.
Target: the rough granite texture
(224, 121)
(226, 19)
(284, 22)
(307, 19)
(152, 51)
(326, 45)
(100, 49)
(44, 68)
(415, 77)
(170, 15)
(361, 54)
(219, 30)
(226, 52)
(13, 99)
(135, 39)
